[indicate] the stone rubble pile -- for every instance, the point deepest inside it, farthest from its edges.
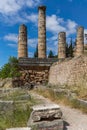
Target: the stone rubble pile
(34, 77)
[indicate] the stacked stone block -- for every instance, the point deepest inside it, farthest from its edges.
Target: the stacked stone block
(34, 76)
(42, 32)
(62, 45)
(80, 41)
(22, 42)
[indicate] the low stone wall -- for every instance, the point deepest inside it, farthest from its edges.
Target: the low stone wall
(34, 75)
(69, 72)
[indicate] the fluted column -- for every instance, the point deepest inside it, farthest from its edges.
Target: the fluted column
(22, 42)
(42, 32)
(62, 45)
(80, 41)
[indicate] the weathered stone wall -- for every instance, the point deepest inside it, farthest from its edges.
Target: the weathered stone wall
(34, 70)
(34, 75)
(69, 72)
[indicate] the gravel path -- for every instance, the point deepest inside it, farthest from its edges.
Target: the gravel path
(73, 119)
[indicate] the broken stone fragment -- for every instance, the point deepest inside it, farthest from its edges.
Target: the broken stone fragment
(45, 112)
(46, 117)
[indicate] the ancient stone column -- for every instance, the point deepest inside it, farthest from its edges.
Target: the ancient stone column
(62, 45)
(22, 42)
(80, 41)
(42, 32)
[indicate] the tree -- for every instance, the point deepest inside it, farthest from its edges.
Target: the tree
(55, 56)
(50, 55)
(10, 69)
(71, 48)
(67, 50)
(36, 52)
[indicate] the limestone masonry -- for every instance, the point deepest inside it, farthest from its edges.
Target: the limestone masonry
(80, 41)
(35, 70)
(71, 72)
(42, 32)
(22, 42)
(62, 45)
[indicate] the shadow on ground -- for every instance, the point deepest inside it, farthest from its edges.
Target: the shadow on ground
(65, 125)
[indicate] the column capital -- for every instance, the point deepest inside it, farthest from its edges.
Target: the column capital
(80, 27)
(62, 33)
(42, 7)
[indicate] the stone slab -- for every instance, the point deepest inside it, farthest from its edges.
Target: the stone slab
(37, 61)
(45, 107)
(24, 128)
(45, 112)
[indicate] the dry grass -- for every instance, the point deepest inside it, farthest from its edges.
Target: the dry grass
(60, 98)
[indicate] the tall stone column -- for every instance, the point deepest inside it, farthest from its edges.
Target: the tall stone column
(62, 45)
(80, 41)
(42, 32)
(22, 42)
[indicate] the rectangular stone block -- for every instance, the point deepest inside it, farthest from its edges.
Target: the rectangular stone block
(24, 128)
(49, 125)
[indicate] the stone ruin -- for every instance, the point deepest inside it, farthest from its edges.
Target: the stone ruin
(36, 70)
(22, 42)
(62, 45)
(42, 32)
(46, 117)
(80, 41)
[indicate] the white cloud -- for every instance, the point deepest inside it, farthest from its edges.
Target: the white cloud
(20, 18)
(13, 6)
(12, 11)
(53, 24)
(56, 24)
(9, 6)
(31, 3)
(11, 37)
(71, 27)
(32, 42)
(85, 31)
(12, 45)
(31, 18)
(52, 44)
(30, 54)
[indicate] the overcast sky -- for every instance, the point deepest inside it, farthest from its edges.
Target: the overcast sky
(61, 15)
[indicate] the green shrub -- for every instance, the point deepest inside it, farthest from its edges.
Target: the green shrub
(10, 69)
